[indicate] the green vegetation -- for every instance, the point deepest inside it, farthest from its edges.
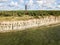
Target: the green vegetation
(33, 36)
(30, 13)
(14, 18)
(22, 15)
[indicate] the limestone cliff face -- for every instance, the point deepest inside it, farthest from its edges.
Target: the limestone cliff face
(19, 25)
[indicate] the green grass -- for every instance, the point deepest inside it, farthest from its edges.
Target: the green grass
(14, 18)
(33, 36)
(30, 13)
(23, 15)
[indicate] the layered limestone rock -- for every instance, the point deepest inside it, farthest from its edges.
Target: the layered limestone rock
(20, 25)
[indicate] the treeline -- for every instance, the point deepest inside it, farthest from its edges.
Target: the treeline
(30, 13)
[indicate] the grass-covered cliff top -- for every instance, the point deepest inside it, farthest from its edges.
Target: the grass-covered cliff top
(23, 15)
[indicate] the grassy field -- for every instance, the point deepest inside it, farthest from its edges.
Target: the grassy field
(23, 15)
(14, 18)
(33, 36)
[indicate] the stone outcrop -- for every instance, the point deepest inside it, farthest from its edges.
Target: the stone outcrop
(19, 25)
